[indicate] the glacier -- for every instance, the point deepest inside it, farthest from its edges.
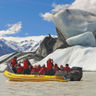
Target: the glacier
(87, 5)
(77, 26)
(73, 22)
(78, 56)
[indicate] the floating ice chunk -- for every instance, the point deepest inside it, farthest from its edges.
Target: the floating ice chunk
(85, 39)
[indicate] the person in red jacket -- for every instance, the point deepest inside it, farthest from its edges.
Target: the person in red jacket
(56, 68)
(49, 64)
(67, 68)
(26, 66)
(35, 70)
(14, 64)
(43, 70)
(50, 70)
(19, 69)
(61, 68)
(39, 68)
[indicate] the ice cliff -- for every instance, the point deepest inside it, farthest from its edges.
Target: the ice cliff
(87, 5)
(76, 25)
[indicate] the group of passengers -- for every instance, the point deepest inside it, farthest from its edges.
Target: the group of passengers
(27, 68)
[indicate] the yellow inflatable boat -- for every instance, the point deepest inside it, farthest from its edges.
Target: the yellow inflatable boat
(75, 75)
(29, 77)
(34, 78)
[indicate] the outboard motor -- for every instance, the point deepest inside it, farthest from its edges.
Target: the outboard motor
(76, 74)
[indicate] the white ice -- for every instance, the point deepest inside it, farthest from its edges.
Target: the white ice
(87, 5)
(84, 57)
(73, 22)
(84, 39)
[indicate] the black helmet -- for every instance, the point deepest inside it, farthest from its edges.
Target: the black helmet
(67, 64)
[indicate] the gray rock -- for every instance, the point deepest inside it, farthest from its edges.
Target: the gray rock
(50, 44)
(46, 46)
(61, 41)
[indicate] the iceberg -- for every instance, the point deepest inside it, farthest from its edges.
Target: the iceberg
(73, 22)
(78, 56)
(87, 5)
(84, 39)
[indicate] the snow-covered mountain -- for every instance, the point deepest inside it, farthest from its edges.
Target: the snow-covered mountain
(19, 44)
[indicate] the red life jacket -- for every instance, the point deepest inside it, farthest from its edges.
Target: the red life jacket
(39, 68)
(19, 69)
(13, 62)
(26, 64)
(56, 68)
(35, 70)
(67, 69)
(43, 70)
(49, 65)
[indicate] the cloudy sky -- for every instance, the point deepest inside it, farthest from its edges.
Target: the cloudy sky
(22, 18)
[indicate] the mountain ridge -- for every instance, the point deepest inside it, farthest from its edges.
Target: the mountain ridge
(19, 44)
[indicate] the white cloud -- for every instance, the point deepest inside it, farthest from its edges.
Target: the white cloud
(87, 5)
(13, 29)
(48, 15)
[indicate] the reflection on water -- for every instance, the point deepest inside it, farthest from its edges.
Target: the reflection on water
(86, 87)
